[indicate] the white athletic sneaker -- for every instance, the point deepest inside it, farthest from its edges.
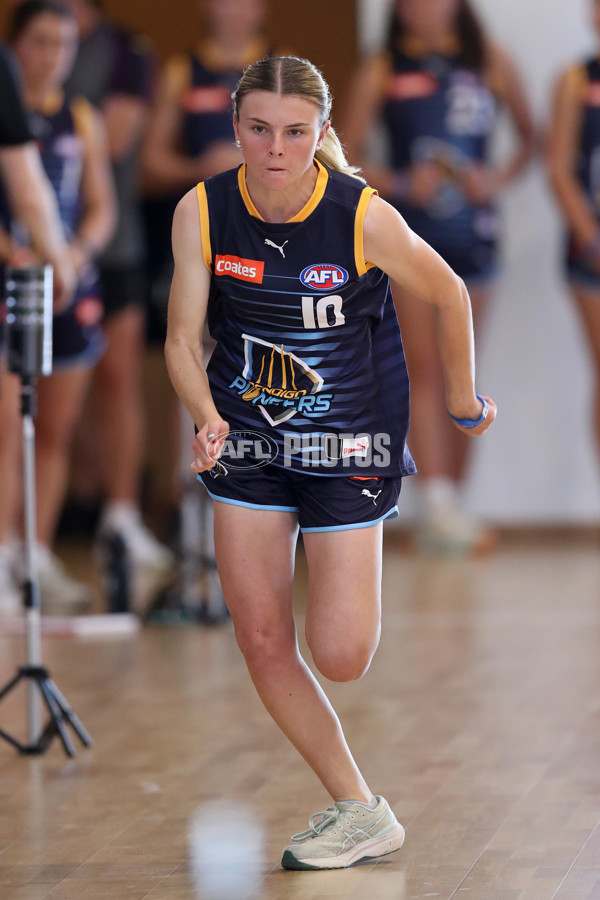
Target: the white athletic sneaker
(142, 547)
(450, 530)
(10, 598)
(59, 592)
(143, 567)
(343, 835)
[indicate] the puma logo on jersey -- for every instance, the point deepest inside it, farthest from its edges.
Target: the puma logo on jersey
(366, 493)
(276, 246)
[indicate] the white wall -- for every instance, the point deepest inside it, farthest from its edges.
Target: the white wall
(538, 463)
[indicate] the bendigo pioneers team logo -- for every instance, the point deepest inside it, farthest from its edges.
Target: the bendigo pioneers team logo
(279, 382)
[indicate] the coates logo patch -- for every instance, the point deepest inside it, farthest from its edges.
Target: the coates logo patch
(243, 269)
(88, 311)
(411, 85)
(323, 277)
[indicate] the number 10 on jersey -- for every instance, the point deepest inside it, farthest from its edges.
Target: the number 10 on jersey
(322, 312)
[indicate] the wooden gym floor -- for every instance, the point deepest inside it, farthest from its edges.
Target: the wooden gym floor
(479, 720)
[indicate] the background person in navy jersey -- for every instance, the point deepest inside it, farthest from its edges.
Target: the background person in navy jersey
(114, 71)
(22, 177)
(73, 149)
(33, 201)
(190, 137)
(437, 90)
(249, 245)
(575, 174)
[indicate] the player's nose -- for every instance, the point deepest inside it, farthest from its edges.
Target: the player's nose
(277, 147)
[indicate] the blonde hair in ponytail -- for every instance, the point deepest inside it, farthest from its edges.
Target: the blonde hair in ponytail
(291, 75)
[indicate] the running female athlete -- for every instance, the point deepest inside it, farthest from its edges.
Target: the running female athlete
(290, 255)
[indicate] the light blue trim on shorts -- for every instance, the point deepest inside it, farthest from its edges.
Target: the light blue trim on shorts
(87, 359)
(391, 514)
(590, 283)
(247, 505)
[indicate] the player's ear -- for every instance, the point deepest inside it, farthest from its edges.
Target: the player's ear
(322, 133)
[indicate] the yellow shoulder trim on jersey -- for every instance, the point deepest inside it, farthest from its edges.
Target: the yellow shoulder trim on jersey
(317, 194)
(204, 225)
(52, 103)
(83, 118)
(178, 75)
(245, 195)
(577, 79)
(359, 223)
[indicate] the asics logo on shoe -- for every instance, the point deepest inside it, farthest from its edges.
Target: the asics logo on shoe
(366, 493)
(276, 246)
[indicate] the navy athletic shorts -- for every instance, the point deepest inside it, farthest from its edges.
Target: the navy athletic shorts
(322, 502)
(580, 271)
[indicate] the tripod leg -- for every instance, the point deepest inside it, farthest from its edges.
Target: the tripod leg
(11, 684)
(56, 716)
(46, 736)
(69, 715)
(11, 740)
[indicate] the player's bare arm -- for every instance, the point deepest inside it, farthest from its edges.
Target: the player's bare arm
(391, 245)
(187, 311)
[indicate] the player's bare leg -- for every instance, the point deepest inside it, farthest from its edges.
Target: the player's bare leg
(255, 555)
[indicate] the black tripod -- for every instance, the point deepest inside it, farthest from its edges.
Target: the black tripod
(28, 330)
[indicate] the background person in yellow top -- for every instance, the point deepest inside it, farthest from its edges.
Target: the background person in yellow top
(437, 89)
(575, 174)
(73, 149)
(298, 191)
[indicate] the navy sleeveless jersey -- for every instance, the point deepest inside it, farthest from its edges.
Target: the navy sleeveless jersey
(61, 151)
(588, 160)
(308, 349)
(437, 110)
(207, 105)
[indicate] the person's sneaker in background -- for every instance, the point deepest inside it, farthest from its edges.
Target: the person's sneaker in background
(10, 596)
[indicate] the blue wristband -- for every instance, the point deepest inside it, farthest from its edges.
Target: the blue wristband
(473, 423)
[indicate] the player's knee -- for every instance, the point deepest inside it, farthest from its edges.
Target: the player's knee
(265, 647)
(54, 434)
(343, 663)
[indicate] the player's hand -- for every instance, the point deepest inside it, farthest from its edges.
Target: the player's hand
(208, 444)
(65, 281)
(23, 256)
(479, 183)
(425, 182)
(221, 155)
(483, 426)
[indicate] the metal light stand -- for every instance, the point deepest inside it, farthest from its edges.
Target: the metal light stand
(195, 595)
(28, 330)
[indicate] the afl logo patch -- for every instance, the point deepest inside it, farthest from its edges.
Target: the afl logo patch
(323, 277)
